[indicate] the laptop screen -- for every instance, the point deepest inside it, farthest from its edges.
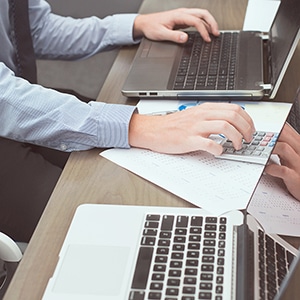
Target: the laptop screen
(294, 115)
(283, 31)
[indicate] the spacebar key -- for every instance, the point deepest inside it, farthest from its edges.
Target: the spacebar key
(142, 268)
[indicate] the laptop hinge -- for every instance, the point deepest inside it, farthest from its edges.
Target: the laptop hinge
(264, 36)
(267, 88)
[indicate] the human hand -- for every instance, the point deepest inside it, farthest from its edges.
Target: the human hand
(288, 150)
(163, 26)
(188, 130)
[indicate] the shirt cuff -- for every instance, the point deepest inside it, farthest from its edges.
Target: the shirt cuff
(113, 127)
(124, 28)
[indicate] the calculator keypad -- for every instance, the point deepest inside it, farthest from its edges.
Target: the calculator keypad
(257, 151)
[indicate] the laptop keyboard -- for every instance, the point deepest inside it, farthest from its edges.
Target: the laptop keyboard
(183, 258)
(208, 65)
(180, 257)
(257, 151)
(274, 262)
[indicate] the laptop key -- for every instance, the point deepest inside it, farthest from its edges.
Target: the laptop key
(167, 223)
(203, 295)
(141, 273)
(173, 282)
(154, 296)
(137, 295)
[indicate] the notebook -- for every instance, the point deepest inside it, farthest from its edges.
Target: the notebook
(162, 70)
(143, 252)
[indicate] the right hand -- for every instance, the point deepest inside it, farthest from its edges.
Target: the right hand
(188, 130)
(163, 26)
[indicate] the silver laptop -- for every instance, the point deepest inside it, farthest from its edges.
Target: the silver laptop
(140, 252)
(250, 66)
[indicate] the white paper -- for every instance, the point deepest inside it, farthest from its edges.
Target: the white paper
(260, 14)
(216, 185)
(273, 206)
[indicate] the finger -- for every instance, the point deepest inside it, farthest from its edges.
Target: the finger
(233, 114)
(221, 127)
(203, 16)
(274, 170)
(176, 36)
(287, 155)
(209, 145)
(228, 107)
(289, 176)
(202, 25)
(290, 136)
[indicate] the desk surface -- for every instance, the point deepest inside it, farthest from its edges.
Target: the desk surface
(89, 178)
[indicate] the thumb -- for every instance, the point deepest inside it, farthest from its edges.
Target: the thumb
(176, 36)
(182, 37)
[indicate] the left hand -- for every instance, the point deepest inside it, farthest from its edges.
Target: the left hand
(162, 26)
(288, 150)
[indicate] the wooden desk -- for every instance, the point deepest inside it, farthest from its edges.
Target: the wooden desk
(89, 178)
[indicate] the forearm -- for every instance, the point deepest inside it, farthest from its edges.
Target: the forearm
(33, 114)
(142, 130)
(57, 37)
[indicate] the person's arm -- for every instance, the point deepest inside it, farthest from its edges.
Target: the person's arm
(67, 38)
(288, 150)
(33, 114)
(57, 37)
(45, 117)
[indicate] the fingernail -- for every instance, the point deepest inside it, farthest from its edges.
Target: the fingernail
(182, 37)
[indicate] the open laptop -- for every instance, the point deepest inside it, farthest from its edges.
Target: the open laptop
(140, 252)
(290, 288)
(162, 69)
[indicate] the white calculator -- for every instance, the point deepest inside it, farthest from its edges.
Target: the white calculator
(257, 151)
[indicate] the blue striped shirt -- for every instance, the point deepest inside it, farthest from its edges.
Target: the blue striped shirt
(34, 114)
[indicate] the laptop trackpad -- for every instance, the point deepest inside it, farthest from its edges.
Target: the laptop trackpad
(159, 50)
(92, 270)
